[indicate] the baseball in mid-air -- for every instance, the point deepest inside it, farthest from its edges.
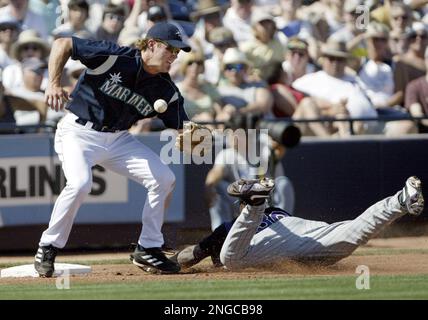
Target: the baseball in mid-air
(160, 106)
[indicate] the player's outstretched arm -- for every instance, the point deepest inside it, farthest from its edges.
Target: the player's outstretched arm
(55, 95)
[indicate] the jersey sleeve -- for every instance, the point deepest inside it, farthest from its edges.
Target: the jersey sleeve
(94, 53)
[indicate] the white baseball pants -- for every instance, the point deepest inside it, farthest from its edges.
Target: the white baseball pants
(304, 240)
(80, 148)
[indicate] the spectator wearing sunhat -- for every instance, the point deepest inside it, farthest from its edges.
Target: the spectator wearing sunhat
(222, 39)
(297, 58)
(9, 30)
(78, 14)
(208, 15)
(243, 96)
(29, 45)
(265, 49)
(335, 93)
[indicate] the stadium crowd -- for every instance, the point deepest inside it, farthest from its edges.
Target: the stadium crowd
(300, 59)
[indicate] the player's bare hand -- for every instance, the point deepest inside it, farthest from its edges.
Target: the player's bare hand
(56, 97)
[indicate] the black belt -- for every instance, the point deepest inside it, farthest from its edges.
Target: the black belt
(97, 127)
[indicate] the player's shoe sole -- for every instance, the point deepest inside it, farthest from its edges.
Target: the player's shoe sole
(412, 196)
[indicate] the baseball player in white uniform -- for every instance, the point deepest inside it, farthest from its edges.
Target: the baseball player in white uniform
(121, 86)
(261, 236)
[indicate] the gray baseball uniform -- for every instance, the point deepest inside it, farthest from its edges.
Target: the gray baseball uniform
(299, 239)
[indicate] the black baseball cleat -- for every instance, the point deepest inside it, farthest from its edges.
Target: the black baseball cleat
(411, 196)
(190, 256)
(44, 261)
(153, 260)
(252, 192)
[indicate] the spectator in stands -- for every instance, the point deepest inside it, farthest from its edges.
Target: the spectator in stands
(11, 105)
(112, 23)
(333, 93)
(400, 17)
(202, 101)
(78, 14)
(400, 21)
(9, 30)
(238, 94)
(352, 34)
(222, 39)
(416, 98)
(329, 11)
(238, 19)
(264, 50)
(20, 10)
(207, 17)
(289, 24)
(296, 62)
(411, 65)
(29, 45)
(376, 79)
(32, 76)
(285, 98)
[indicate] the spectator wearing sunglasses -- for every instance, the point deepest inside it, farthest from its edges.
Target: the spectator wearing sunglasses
(29, 45)
(265, 49)
(296, 62)
(9, 30)
(32, 70)
(112, 22)
(202, 101)
(222, 39)
(411, 64)
(238, 93)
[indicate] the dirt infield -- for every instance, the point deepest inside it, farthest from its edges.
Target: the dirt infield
(394, 256)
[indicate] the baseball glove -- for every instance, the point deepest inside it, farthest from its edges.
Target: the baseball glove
(195, 139)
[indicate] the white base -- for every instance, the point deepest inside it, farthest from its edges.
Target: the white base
(27, 270)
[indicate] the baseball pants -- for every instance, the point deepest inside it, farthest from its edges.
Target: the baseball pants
(80, 148)
(293, 238)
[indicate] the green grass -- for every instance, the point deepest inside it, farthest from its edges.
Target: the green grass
(319, 287)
